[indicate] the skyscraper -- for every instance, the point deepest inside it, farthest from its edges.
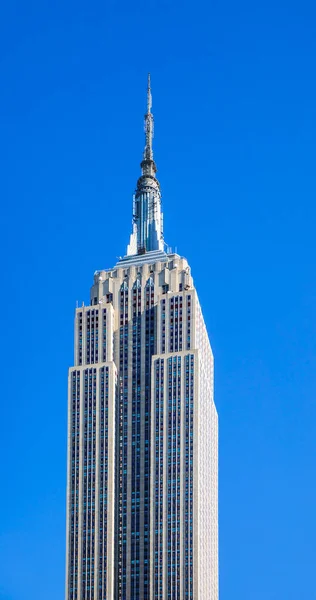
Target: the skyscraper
(142, 521)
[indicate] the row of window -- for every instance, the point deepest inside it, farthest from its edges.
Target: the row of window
(88, 523)
(177, 528)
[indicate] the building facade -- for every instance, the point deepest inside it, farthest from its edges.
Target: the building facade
(142, 516)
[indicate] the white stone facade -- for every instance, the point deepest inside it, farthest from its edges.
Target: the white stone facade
(142, 441)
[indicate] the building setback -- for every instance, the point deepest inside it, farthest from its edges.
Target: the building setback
(142, 517)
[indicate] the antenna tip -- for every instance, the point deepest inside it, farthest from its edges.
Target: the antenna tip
(149, 101)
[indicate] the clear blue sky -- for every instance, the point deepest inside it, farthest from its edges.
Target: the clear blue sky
(234, 99)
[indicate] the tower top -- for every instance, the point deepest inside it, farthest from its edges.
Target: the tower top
(149, 98)
(148, 164)
(147, 235)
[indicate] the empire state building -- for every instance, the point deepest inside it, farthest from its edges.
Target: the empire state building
(142, 493)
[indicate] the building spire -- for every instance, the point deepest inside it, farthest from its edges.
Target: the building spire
(149, 125)
(148, 163)
(149, 98)
(147, 233)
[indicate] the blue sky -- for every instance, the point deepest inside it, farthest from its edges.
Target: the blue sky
(234, 101)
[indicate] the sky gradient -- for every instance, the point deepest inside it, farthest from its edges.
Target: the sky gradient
(234, 100)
